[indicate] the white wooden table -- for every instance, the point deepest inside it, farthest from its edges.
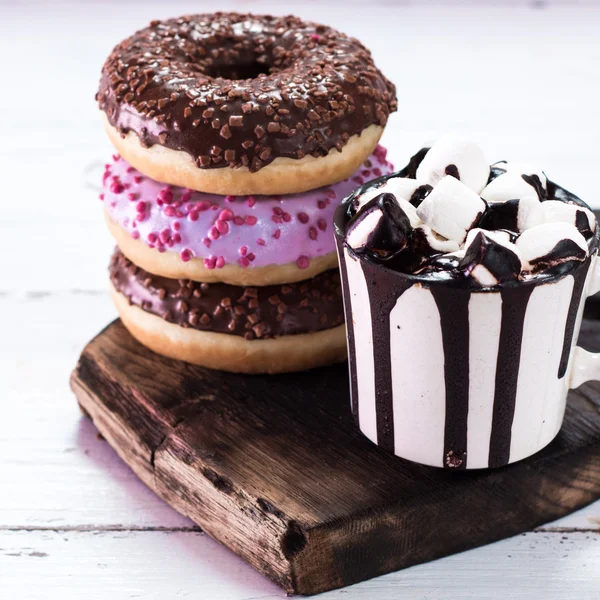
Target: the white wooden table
(74, 520)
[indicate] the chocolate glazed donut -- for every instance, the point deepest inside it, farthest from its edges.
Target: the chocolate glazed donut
(242, 91)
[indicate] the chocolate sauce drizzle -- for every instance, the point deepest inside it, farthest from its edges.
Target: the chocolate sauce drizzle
(349, 332)
(514, 307)
(453, 306)
(383, 296)
(579, 277)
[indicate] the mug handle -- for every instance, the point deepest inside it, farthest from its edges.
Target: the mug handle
(586, 365)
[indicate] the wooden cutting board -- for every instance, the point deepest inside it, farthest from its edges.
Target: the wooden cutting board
(273, 467)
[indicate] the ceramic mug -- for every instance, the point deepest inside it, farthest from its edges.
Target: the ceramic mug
(462, 378)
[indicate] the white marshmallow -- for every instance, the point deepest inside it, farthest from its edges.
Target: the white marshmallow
(451, 209)
(530, 212)
(483, 276)
(499, 236)
(508, 186)
(539, 241)
(358, 236)
(437, 242)
(555, 211)
(473, 169)
(522, 169)
(402, 187)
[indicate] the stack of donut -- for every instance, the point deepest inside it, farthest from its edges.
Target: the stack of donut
(237, 136)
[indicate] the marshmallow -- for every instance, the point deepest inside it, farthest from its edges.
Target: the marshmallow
(551, 244)
(514, 215)
(442, 264)
(490, 258)
(427, 241)
(533, 175)
(508, 186)
(411, 190)
(381, 228)
(456, 157)
(451, 209)
(555, 211)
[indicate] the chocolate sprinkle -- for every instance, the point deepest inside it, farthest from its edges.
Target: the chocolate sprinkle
(299, 87)
(251, 312)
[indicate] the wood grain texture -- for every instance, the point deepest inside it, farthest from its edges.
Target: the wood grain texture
(273, 467)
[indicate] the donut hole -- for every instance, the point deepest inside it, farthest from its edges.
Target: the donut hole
(250, 70)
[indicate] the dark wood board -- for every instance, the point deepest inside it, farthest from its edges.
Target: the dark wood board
(274, 468)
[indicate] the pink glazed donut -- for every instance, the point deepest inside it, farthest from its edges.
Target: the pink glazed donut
(241, 240)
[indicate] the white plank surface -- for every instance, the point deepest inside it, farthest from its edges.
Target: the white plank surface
(74, 521)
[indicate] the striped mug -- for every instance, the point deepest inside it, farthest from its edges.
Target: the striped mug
(461, 378)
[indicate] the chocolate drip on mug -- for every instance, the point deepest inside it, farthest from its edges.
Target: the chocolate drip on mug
(383, 296)
(453, 306)
(349, 332)
(514, 307)
(579, 277)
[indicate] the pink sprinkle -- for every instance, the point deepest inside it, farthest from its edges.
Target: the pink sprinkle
(176, 239)
(358, 179)
(243, 250)
(322, 224)
(312, 233)
(165, 236)
(278, 211)
(215, 207)
(206, 242)
(152, 237)
(202, 206)
(315, 37)
(303, 218)
(115, 157)
(129, 169)
(186, 196)
(179, 214)
(116, 187)
(277, 234)
(101, 196)
(135, 234)
(287, 217)
(170, 243)
(140, 206)
(251, 256)
(133, 196)
(276, 219)
(186, 254)
(229, 198)
(141, 217)
(210, 262)
(176, 225)
(161, 249)
(243, 262)
(250, 220)
(226, 215)
(170, 211)
(238, 220)
(365, 172)
(260, 242)
(214, 233)
(251, 201)
(220, 262)
(166, 195)
(322, 204)
(380, 153)
(377, 172)
(193, 215)
(331, 194)
(134, 224)
(222, 226)
(137, 178)
(303, 262)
